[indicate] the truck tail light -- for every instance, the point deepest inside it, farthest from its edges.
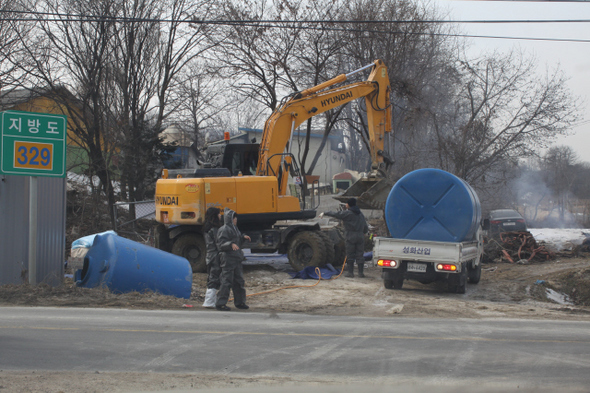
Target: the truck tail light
(447, 267)
(187, 215)
(386, 263)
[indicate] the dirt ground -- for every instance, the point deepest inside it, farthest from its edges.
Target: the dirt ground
(557, 289)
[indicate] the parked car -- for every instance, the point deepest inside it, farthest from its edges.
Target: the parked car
(505, 220)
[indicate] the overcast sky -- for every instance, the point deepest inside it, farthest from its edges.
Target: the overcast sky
(572, 57)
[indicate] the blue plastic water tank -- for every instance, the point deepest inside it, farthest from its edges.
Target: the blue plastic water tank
(431, 204)
(123, 265)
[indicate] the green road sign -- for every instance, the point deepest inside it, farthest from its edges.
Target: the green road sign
(33, 144)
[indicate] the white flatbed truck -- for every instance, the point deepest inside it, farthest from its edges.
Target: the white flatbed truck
(429, 261)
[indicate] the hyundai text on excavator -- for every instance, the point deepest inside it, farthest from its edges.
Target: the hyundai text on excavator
(274, 220)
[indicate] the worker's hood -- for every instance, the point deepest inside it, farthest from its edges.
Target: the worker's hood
(355, 209)
(228, 216)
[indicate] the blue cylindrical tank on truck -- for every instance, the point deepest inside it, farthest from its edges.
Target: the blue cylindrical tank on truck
(431, 204)
(434, 219)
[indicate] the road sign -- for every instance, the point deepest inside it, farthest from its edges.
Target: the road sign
(33, 144)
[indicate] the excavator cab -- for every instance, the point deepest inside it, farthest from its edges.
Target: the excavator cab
(241, 158)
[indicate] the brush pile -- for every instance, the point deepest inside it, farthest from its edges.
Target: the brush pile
(515, 247)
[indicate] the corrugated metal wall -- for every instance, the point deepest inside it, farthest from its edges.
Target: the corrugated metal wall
(14, 226)
(14, 229)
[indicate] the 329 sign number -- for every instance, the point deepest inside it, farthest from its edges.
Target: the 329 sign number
(33, 155)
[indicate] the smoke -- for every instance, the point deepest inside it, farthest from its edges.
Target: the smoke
(540, 205)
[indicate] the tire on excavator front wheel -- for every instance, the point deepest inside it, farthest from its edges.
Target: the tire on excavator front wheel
(339, 248)
(329, 246)
(306, 248)
(192, 247)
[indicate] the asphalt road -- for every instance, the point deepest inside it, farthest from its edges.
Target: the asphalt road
(524, 353)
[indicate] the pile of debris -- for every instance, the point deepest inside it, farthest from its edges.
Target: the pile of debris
(515, 247)
(584, 247)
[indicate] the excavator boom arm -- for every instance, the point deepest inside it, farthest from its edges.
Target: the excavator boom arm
(311, 102)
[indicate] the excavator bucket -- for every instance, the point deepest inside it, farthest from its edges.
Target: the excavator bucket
(370, 193)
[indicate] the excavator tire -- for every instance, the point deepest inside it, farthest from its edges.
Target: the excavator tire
(329, 245)
(192, 247)
(161, 238)
(306, 248)
(339, 248)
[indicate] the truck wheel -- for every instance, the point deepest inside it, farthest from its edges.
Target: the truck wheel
(395, 281)
(474, 274)
(458, 281)
(306, 248)
(192, 247)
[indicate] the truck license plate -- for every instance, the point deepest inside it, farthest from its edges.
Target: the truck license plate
(416, 267)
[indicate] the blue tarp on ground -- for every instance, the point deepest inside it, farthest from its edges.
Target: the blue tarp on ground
(309, 273)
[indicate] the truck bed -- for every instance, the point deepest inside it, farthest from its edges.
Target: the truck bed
(423, 250)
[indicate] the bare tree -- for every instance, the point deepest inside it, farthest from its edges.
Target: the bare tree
(270, 61)
(181, 43)
(135, 66)
(503, 111)
(72, 58)
(558, 165)
(581, 190)
(194, 102)
(257, 56)
(15, 60)
(319, 54)
(118, 61)
(154, 42)
(417, 55)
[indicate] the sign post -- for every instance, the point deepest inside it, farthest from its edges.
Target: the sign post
(33, 195)
(33, 144)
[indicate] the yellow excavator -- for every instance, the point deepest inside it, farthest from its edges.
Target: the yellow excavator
(274, 220)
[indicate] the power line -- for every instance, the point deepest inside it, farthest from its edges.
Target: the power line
(541, 1)
(97, 18)
(520, 38)
(289, 24)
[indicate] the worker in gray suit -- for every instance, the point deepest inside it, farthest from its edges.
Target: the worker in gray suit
(355, 226)
(229, 241)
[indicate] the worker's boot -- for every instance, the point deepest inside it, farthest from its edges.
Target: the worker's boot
(210, 298)
(350, 270)
(361, 268)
